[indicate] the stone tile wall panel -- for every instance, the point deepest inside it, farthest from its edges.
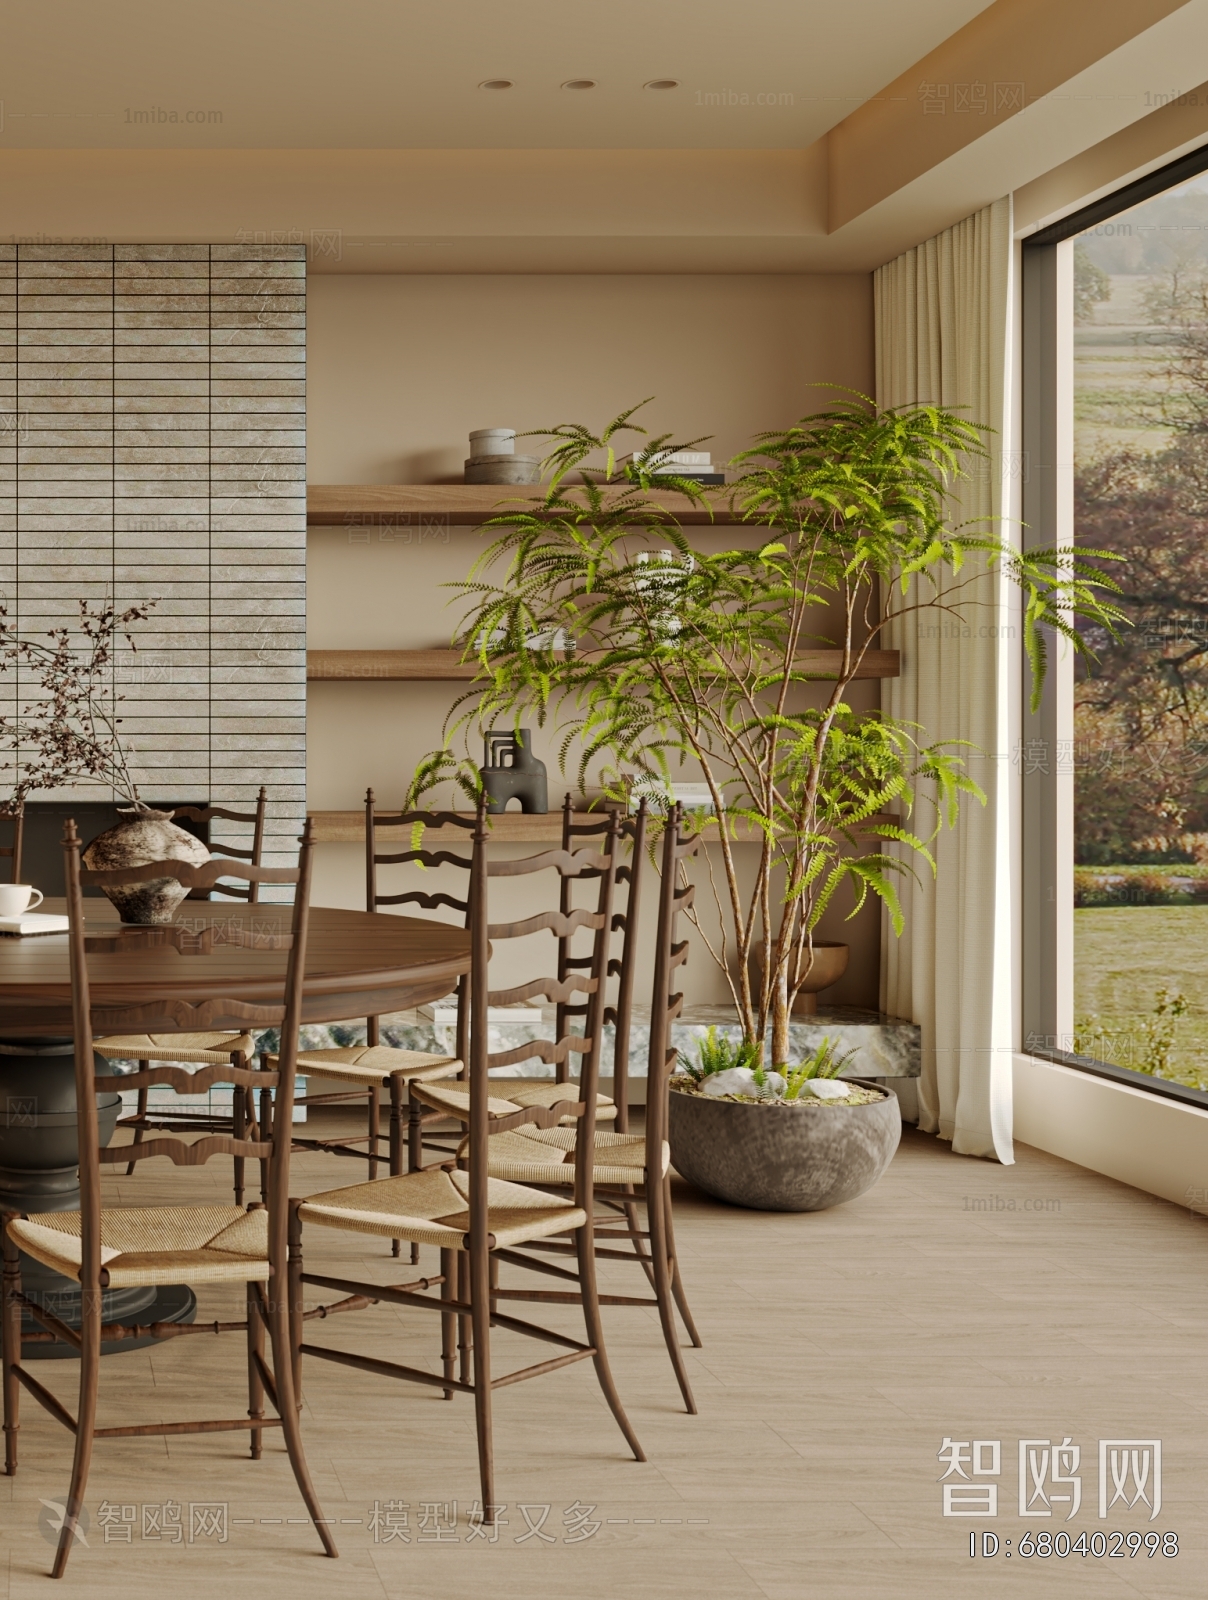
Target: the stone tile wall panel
(153, 446)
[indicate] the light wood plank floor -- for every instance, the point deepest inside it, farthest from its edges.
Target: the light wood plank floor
(840, 1349)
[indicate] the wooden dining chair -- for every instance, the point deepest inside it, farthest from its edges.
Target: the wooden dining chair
(624, 922)
(247, 891)
(103, 1248)
(12, 850)
(369, 1068)
(628, 1168)
(206, 1048)
(470, 1217)
(518, 1092)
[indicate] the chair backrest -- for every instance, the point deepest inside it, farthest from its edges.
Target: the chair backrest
(170, 1012)
(632, 828)
(587, 864)
(250, 891)
(429, 859)
(12, 850)
(669, 955)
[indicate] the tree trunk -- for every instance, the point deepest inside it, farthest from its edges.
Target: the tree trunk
(780, 1015)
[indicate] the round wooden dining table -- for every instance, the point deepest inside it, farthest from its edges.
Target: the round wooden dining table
(357, 965)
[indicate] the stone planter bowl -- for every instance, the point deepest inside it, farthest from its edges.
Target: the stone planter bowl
(782, 1158)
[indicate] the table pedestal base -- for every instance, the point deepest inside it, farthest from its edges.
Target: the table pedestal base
(172, 1303)
(39, 1172)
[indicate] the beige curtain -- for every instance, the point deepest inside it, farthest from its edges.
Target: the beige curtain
(943, 320)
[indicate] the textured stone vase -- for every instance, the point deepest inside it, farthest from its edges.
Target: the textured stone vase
(143, 836)
(783, 1158)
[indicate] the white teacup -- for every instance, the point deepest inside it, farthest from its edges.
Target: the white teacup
(18, 897)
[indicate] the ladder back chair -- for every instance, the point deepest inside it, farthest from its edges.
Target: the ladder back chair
(103, 1248)
(12, 850)
(625, 923)
(247, 891)
(470, 1217)
(206, 1048)
(372, 1067)
(629, 1168)
(541, 1092)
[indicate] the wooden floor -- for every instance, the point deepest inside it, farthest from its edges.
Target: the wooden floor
(840, 1349)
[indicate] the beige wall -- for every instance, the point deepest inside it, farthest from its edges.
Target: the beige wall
(403, 367)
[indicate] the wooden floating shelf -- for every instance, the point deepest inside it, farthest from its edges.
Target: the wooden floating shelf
(446, 666)
(509, 827)
(427, 507)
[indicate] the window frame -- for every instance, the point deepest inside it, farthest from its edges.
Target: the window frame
(1047, 504)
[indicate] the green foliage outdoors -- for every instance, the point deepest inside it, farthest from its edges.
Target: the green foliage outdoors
(1091, 285)
(685, 658)
(1141, 989)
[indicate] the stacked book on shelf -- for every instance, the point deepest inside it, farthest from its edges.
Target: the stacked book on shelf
(696, 465)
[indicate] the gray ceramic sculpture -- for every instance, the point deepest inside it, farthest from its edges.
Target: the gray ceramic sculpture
(143, 836)
(512, 772)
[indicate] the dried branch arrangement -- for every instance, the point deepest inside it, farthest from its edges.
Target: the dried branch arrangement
(69, 733)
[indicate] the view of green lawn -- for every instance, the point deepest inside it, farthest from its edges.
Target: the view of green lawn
(1124, 956)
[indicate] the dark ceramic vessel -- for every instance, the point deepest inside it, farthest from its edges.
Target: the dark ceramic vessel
(783, 1158)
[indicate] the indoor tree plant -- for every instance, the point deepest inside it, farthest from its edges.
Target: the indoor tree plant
(686, 654)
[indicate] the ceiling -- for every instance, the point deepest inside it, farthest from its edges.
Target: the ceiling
(405, 74)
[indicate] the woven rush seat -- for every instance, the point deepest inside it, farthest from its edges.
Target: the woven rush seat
(375, 1064)
(456, 1100)
(432, 1207)
(210, 1049)
(547, 1155)
(155, 1244)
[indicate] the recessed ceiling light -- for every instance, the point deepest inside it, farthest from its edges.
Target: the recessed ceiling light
(662, 83)
(579, 83)
(496, 83)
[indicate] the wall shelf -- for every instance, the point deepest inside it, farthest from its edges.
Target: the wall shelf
(429, 506)
(446, 666)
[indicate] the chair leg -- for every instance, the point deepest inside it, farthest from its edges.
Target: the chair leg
(415, 1149)
(677, 1286)
(465, 1342)
(90, 1373)
(480, 1316)
(448, 1322)
(375, 1128)
(238, 1128)
(140, 1113)
(12, 1347)
(294, 1278)
(634, 1223)
(255, 1384)
(266, 1134)
(396, 1149)
(278, 1332)
(586, 1250)
(656, 1217)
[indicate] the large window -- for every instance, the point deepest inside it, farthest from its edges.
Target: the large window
(1140, 715)
(1140, 284)
(1115, 763)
